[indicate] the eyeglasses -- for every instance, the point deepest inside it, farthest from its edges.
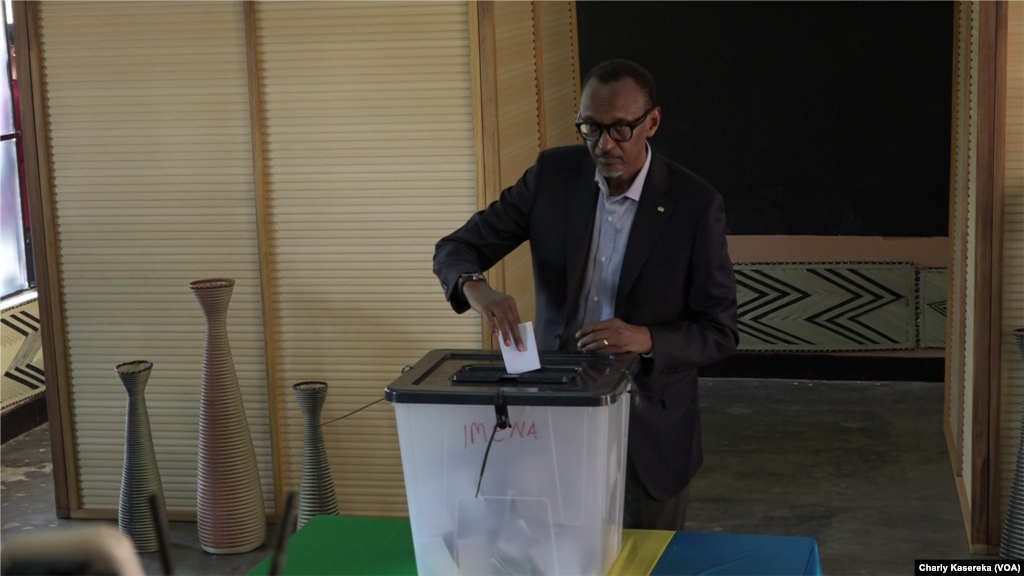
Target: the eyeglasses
(620, 132)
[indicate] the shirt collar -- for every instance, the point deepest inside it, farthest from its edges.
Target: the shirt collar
(634, 190)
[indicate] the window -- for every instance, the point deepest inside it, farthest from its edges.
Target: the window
(15, 252)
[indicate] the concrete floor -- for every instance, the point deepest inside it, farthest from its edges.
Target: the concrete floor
(861, 467)
(27, 505)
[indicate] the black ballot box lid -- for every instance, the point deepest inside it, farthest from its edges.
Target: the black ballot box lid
(479, 377)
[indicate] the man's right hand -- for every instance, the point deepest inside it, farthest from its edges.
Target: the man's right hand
(498, 309)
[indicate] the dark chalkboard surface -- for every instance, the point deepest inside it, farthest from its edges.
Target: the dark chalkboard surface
(824, 118)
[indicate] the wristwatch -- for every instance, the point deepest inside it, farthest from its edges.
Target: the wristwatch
(469, 277)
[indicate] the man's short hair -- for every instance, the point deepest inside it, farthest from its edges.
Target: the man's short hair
(615, 70)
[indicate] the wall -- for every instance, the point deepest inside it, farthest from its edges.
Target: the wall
(826, 130)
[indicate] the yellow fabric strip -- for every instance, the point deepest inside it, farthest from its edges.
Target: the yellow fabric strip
(641, 550)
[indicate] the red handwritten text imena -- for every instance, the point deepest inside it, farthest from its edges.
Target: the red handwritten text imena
(477, 432)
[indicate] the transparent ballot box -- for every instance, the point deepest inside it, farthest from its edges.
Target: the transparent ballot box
(514, 474)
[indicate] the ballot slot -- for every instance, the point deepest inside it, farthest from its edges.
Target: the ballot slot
(477, 374)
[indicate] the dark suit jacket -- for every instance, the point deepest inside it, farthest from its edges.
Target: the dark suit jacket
(676, 279)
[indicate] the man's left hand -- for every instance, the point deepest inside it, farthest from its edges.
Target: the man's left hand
(614, 337)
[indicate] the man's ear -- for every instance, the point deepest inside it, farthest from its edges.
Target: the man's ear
(653, 121)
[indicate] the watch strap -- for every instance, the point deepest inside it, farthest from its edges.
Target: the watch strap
(469, 277)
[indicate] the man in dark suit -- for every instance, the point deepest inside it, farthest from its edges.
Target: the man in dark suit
(629, 255)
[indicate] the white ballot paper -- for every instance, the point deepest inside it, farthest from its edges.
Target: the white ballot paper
(517, 362)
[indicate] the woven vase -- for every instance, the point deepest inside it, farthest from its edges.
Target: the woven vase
(317, 485)
(230, 502)
(140, 476)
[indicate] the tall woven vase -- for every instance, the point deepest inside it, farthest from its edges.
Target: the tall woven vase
(1012, 544)
(140, 476)
(317, 485)
(230, 502)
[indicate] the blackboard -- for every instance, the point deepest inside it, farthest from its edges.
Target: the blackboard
(823, 118)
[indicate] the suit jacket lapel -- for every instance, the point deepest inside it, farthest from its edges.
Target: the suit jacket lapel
(651, 215)
(579, 229)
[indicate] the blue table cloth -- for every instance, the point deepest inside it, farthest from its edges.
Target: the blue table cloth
(693, 553)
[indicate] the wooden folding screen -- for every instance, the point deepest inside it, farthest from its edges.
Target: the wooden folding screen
(151, 187)
(957, 222)
(530, 95)
(369, 159)
(312, 151)
(1012, 262)
(982, 393)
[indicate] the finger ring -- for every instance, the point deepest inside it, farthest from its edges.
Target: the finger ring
(605, 341)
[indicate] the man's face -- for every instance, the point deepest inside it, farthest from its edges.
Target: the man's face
(619, 102)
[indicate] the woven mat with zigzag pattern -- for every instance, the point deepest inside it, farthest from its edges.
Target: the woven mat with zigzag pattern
(817, 307)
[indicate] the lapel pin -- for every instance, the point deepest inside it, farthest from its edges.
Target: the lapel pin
(661, 208)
